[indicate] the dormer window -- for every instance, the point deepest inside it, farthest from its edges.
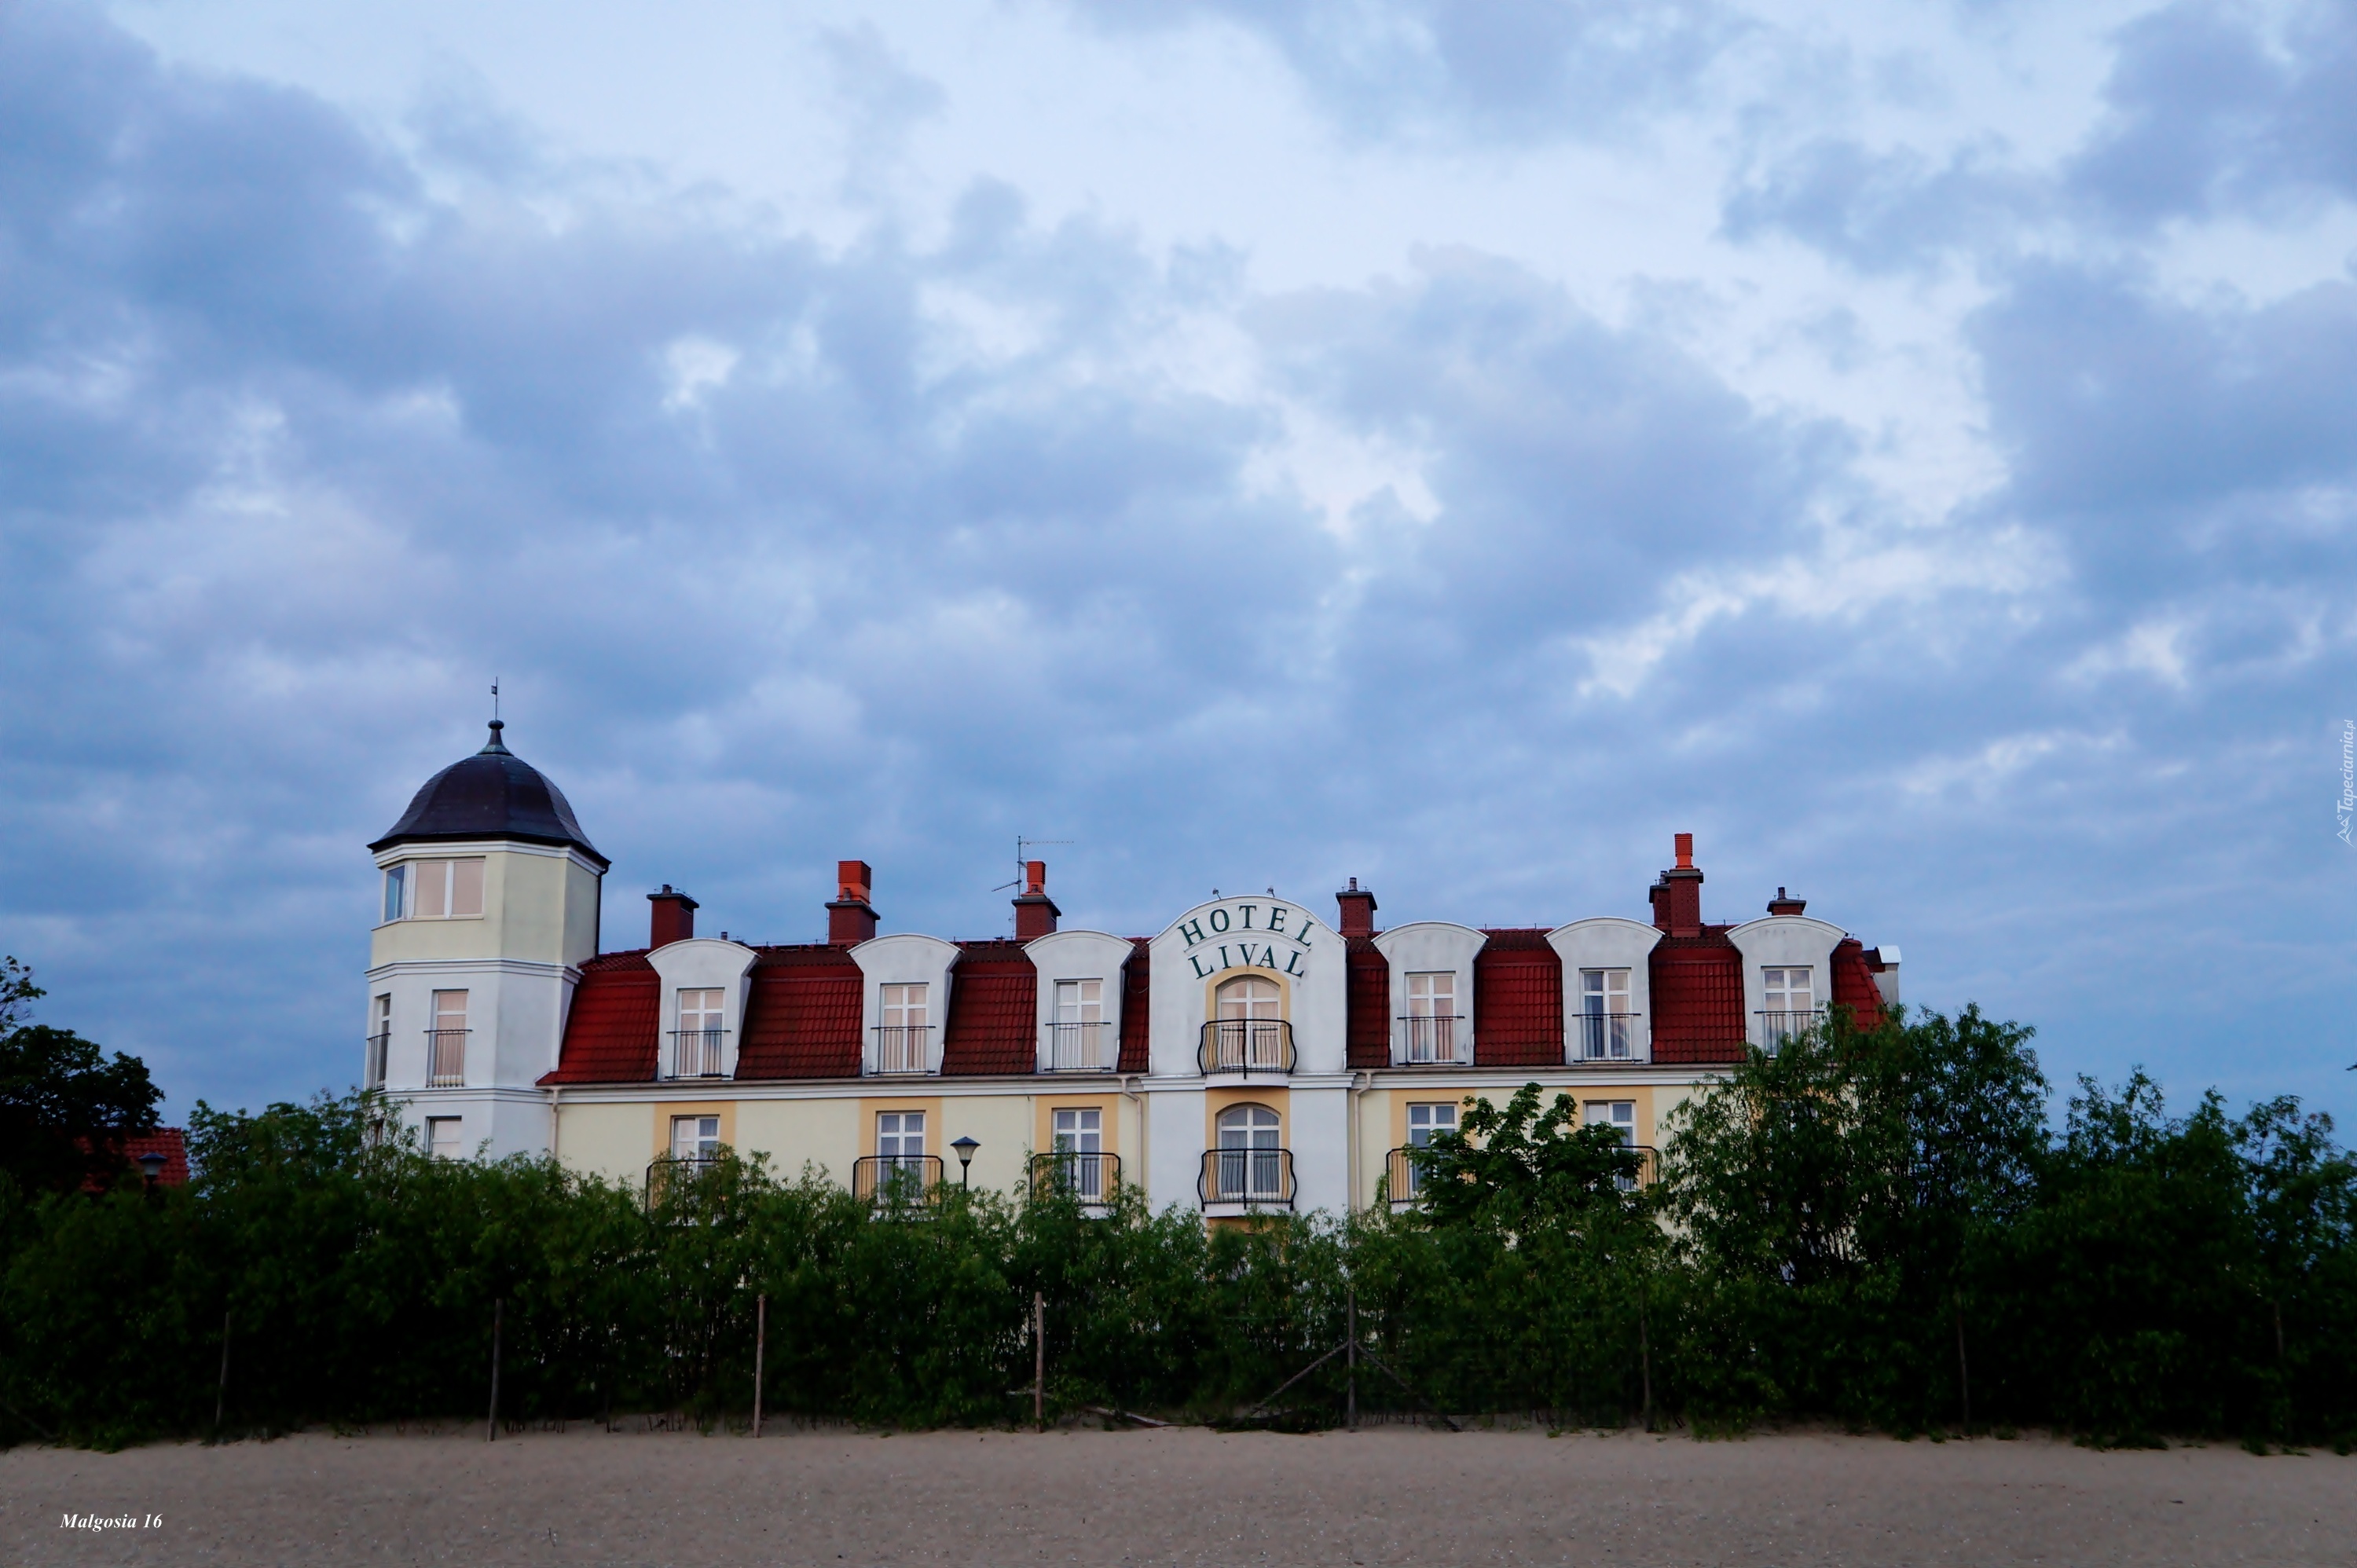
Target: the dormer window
(900, 1038)
(434, 889)
(1076, 1034)
(701, 1031)
(1432, 1018)
(1788, 1007)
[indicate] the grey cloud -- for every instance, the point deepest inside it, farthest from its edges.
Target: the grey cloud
(1884, 212)
(2209, 114)
(1515, 70)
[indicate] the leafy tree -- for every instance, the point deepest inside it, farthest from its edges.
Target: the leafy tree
(64, 1107)
(1516, 1164)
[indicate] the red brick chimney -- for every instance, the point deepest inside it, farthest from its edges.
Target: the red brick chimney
(1782, 904)
(1357, 910)
(1035, 912)
(1677, 897)
(671, 917)
(849, 918)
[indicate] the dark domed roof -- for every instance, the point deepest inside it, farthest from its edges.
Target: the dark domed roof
(493, 794)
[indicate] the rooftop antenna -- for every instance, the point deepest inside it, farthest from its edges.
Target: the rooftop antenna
(1023, 847)
(495, 696)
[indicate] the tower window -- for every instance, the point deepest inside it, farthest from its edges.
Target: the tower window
(434, 889)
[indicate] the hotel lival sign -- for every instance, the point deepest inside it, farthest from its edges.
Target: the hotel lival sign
(1256, 934)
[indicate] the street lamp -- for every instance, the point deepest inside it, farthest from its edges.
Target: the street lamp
(966, 1148)
(153, 1164)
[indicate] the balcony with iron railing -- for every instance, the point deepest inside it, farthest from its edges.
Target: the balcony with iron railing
(1432, 1040)
(1247, 1046)
(379, 1051)
(698, 1053)
(897, 1181)
(1778, 1027)
(1080, 1047)
(1608, 1037)
(445, 1058)
(1405, 1180)
(1238, 1181)
(904, 1048)
(669, 1173)
(1086, 1174)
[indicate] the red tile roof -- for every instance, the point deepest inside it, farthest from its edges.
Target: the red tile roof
(802, 1015)
(1517, 1001)
(168, 1142)
(1854, 986)
(1698, 986)
(610, 1033)
(1136, 976)
(994, 1017)
(1367, 997)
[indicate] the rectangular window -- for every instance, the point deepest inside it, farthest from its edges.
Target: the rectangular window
(437, 889)
(1788, 1006)
(695, 1137)
(1080, 1151)
(1422, 1123)
(1606, 1027)
(700, 1032)
(1617, 1113)
(396, 893)
(901, 1038)
(900, 1135)
(442, 1136)
(380, 1040)
(445, 1040)
(1076, 1032)
(1431, 1022)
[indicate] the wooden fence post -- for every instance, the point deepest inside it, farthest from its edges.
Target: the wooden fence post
(491, 1427)
(1353, 1299)
(1038, 1362)
(760, 1346)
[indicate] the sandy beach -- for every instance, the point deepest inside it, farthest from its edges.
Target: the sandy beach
(1382, 1496)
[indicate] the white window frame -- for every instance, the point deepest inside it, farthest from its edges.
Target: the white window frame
(453, 1146)
(436, 888)
(1076, 1030)
(1431, 1020)
(699, 1050)
(380, 1040)
(696, 1137)
(1079, 1129)
(906, 1031)
(446, 1056)
(1250, 1150)
(906, 1132)
(1604, 995)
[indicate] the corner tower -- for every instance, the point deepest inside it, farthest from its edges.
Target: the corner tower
(487, 911)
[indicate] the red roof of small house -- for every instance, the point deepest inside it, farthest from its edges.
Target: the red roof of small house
(168, 1142)
(803, 1014)
(1517, 1001)
(994, 1017)
(610, 1031)
(1698, 986)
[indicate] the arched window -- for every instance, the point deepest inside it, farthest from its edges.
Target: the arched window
(1249, 1164)
(1248, 1030)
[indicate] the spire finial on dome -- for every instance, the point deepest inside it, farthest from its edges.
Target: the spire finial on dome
(495, 746)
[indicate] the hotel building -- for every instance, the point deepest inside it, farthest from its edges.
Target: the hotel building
(1256, 1053)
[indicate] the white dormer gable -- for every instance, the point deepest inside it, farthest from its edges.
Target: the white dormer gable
(1608, 947)
(900, 962)
(1783, 942)
(1432, 950)
(1069, 964)
(701, 965)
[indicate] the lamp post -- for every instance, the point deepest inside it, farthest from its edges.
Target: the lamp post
(966, 1148)
(153, 1164)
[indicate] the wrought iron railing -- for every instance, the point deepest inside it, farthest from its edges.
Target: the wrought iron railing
(1405, 1180)
(1778, 1027)
(696, 1053)
(445, 1058)
(903, 1047)
(1255, 1176)
(1606, 1036)
(380, 1049)
(1086, 1174)
(1079, 1047)
(1434, 1038)
(894, 1180)
(1247, 1046)
(670, 1171)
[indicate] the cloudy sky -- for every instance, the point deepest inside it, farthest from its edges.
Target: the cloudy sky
(1911, 445)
